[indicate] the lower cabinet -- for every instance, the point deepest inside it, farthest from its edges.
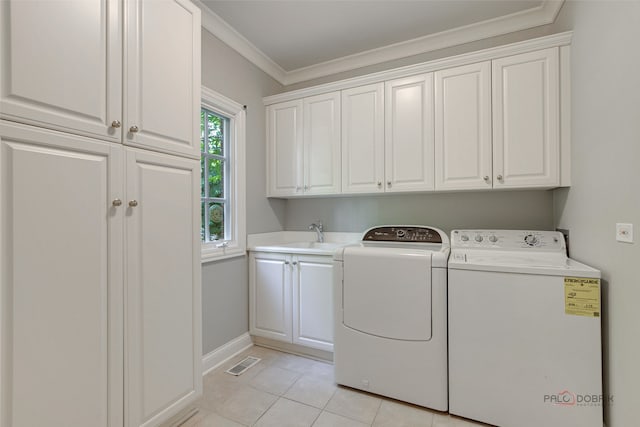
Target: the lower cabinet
(100, 282)
(291, 297)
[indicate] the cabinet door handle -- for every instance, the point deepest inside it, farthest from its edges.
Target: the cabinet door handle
(115, 124)
(286, 263)
(116, 202)
(295, 263)
(388, 183)
(133, 203)
(486, 178)
(499, 177)
(133, 129)
(379, 184)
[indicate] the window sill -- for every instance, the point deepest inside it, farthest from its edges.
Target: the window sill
(210, 254)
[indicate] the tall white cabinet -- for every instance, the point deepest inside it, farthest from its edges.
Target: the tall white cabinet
(100, 321)
(61, 297)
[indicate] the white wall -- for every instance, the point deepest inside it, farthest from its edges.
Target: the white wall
(605, 81)
(225, 284)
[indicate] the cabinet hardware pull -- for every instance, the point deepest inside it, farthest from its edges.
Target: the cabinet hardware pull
(133, 129)
(388, 183)
(499, 177)
(115, 124)
(116, 202)
(486, 178)
(133, 203)
(295, 263)
(286, 263)
(379, 183)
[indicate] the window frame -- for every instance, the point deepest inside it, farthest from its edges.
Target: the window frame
(236, 244)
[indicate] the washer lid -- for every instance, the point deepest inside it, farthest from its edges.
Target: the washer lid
(514, 262)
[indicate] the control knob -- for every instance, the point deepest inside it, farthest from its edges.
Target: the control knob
(479, 238)
(464, 238)
(493, 239)
(531, 240)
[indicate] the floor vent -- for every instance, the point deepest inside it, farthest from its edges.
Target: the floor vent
(241, 367)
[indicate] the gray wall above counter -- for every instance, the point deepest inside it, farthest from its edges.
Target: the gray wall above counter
(531, 209)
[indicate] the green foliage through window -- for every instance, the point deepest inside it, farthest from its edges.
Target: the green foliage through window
(213, 168)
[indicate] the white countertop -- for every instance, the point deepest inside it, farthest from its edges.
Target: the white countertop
(300, 242)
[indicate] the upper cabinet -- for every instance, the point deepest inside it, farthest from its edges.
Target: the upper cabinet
(409, 133)
(463, 127)
(387, 136)
(493, 119)
(61, 75)
(69, 77)
(284, 138)
(303, 152)
(363, 139)
(321, 148)
(526, 126)
(162, 86)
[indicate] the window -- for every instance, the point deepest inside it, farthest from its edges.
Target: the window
(214, 162)
(222, 182)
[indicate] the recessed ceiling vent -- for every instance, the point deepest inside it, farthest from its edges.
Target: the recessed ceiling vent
(242, 367)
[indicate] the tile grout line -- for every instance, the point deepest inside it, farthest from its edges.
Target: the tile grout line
(377, 412)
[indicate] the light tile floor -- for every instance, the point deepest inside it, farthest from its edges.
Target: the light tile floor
(284, 390)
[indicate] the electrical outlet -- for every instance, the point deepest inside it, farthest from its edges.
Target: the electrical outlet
(624, 232)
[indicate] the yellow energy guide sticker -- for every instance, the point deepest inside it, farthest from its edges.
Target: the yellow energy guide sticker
(582, 296)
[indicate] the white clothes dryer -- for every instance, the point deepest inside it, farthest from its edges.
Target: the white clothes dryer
(391, 314)
(524, 331)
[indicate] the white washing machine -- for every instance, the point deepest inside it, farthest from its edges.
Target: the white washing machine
(391, 314)
(524, 331)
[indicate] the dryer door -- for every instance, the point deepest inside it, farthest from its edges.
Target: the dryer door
(387, 292)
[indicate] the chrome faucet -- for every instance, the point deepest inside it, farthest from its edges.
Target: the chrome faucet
(319, 231)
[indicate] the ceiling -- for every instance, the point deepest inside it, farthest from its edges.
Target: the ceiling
(302, 39)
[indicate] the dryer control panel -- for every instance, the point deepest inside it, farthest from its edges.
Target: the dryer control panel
(508, 240)
(402, 233)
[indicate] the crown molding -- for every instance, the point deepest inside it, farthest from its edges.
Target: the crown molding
(225, 32)
(544, 14)
(554, 40)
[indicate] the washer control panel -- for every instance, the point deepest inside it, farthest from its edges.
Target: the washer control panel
(400, 233)
(508, 239)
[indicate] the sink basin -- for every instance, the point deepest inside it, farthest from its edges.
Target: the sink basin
(329, 246)
(317, 248)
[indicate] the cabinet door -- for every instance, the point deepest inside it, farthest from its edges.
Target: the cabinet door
(163, 76)
(322, 144)
(58, 74)
(270, 296)
(363, 139)
(463, 127)
(313, 302)
(409, 133)
(526, 120)
(162, 229)
(284, 139)
(61, 285)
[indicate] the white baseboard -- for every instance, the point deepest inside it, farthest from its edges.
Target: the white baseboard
(225, 352)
